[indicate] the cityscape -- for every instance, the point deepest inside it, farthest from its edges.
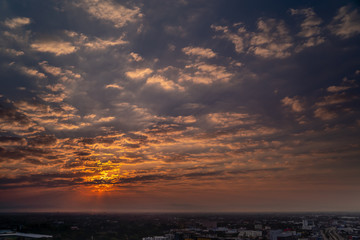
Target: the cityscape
(171, 226)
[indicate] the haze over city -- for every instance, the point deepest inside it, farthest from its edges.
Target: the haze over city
(179, 106)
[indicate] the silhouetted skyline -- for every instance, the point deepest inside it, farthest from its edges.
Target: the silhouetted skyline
(171, 106)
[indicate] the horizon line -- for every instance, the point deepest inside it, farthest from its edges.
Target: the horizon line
(178, 212)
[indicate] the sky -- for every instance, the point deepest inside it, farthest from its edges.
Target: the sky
(179, 106)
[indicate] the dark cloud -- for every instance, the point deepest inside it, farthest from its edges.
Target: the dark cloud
(132, 145)
(10, 154)
(10, 114)
(83, 153)
(163, 128)
(138, 137)
(146, 178)
(203, 174)
(42, 140)
(44, 180)
(34, 161)
(23, 152)
(73, 164)
(245, 171)
(97, 140)
(10, 139)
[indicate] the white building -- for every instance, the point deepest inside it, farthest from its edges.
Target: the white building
(156, 238)
(307, 225)
(250, 233)
(276, 234)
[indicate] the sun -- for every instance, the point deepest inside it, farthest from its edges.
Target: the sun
(106, 177)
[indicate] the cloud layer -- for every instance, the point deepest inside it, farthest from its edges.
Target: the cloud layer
(143, 108)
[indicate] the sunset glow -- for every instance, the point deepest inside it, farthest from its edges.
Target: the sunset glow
(130, 106)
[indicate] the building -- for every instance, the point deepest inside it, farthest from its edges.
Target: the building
(4, 234)
(250, 233)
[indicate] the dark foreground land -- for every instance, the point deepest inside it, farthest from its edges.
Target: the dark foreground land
(295, 226)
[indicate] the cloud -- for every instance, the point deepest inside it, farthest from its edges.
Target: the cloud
(9, 139)
(57, 47)
(13, 52)
(202, 73)
(63, 87)
(238, 38)
(334, 89)
(11, 120)
(54, 117)
(64, 74)
(14, 121)
(164, 83)
(230, 119)
(86, 125)
(104, 119)
(44, 180)
(42, 140)
(110, 11)
(35, 161)
(324, 114)
(175, 30)
(135, 57)
(22, 37)
(57, 97)
(333, 99)
(139, 73)
(56, 71)
(272, 39)
(116, 86)
(346, 23)
(16, 22)
(100, 44)
(310, 28)
(141, 117)
(76, 41)
(106, 140)
(200, 52)
(185, 119)
(31, 72)
(310, 25)
(294, 103)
